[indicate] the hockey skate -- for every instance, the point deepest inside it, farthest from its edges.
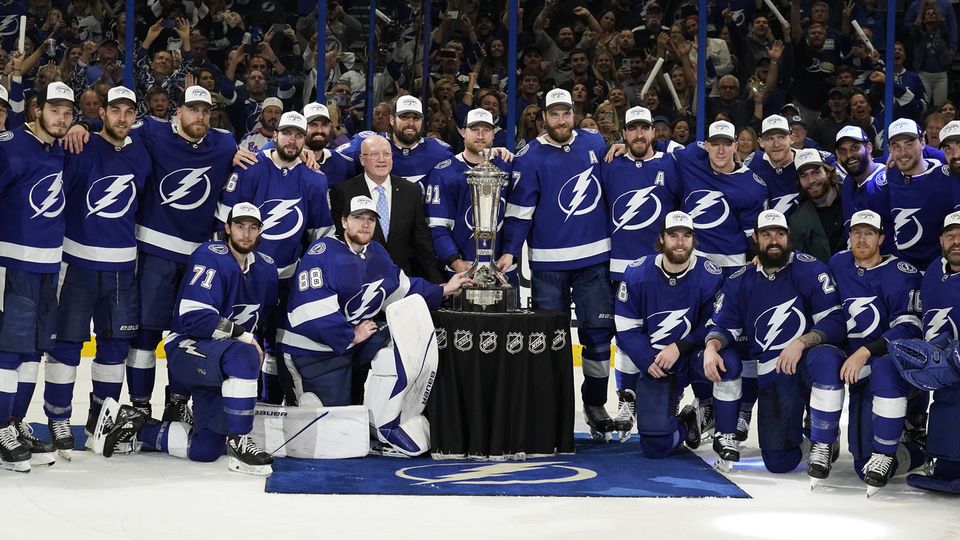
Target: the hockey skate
(143, 406)
(743, 424)
(819, 462)
(688, 417)
(705, 417)
(727, 448)
(177, 409)
(41, 452)
(626, 414)
(246, 457)
(62, 437)
(601, 425)
(878, 471)
(915, 430)
(118, 427)
(14, 455)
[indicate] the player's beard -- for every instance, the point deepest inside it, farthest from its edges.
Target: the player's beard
(677, 255)
(114, 133)
(288, 155)
(317, 141)
(406, 137)
(954, 164)
(639, 147)
(195, 130)
(768, 260)
(862, 163)
(241, 249)
(952, 255)
(476, 147)
(357, 240)
(53, 131)
(559, 134)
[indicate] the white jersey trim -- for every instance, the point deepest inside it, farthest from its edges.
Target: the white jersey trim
(165, 241)
(574, 253)
(31, 254)
(99, 254)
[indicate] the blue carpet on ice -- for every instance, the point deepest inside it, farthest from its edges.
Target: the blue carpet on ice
(42, 432)
(597, 470)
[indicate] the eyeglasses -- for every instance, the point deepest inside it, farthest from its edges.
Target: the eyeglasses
(379, 155)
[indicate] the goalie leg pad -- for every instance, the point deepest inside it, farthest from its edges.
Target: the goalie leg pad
(312, 431)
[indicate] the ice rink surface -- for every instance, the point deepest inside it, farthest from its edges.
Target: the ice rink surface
(157, 496)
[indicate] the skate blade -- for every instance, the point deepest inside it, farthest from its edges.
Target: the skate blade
(235, 465)
(43, 459)
(66, 454)
(814, 482)
(601, 436)
(723, 465)
(106, 420)
(15, 466)
(872, 490)
(625, 436)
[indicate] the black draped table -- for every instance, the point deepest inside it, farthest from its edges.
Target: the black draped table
(504, 387)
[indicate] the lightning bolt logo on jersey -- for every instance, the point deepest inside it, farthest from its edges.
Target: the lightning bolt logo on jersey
(670, 326)
(708, 208)
(366, 303)
(105, 193)
(46, 196)
(629, 205)
(922, 202)
(246, 315)
(779, 325)
(282, 218)
(785, 204)
(862, 316)
(580, 194)
(185, 189)
(937, 322)
(907, 227)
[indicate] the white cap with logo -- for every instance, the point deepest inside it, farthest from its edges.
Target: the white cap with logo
(292, 119)
(721, 129)
(903, 126)
(361, 204)
(677, 220)
(197, 94)
(950, 131)
(479, 116)
(557, 96)
(775, 122)
(57, 91)
(638, 114)
(316, 110)
(771, 219)
(952, 220)
(242, 210)
(866, 217)
(118, 93)
(852, 132)
(408, 104)
(272, 102)
(805, 157)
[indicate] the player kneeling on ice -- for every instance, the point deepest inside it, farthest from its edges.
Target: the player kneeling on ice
(661, 314)
(229, 289)
(788, 308)
(341, 285)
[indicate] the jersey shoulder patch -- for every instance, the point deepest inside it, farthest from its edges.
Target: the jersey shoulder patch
(757, 179)
(443, 164)
(224, 131)
(523, 150)
(364, 134)
(712, 268)
(638, 262)
(881, 178)
(906, 267)
(442, 143)
(739, 272)
(137, 124)
(589, 130)
(317, 249)
(268, 259)
(945, 170)
(803, 257)
(340, 149)
(702, 145)
(6, 136)
(219, 249)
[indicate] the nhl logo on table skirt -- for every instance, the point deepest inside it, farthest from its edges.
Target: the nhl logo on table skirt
(441, 338)
(514, 342)
(537, 343)
(463, 340)
(488, 342)
(559, 339)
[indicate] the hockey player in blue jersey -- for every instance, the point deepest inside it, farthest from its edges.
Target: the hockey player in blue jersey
(102, 186)
(865, 185)
(214, 350)
(449, 205)
(333, 164)
(774, 164)
(293, 200)
(556, 206)
(31, 244)
(661, 313)
(921, 194)
(950, 144)
(879, 295)
(788, 308)
(341, 286)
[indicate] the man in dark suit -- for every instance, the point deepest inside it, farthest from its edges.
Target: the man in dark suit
(403, 229)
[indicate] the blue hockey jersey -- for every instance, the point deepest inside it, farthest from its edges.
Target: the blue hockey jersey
(333, 164)
(292, 202)
(180, 200)
(216, 291)
(412, 164)
(638, 195)
(556, 204)
(773, 310)
(31, 202)
(782, 184)
(103, 186)
(724, 207)
(940, 301)
(878, 302)
(870, 193)
(449, 209)
(918, 205)
(654, 309)
(336, 289)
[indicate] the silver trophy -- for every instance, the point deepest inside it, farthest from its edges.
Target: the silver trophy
(490, 292)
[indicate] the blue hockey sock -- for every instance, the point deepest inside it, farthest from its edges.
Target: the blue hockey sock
(142, 365)
(108, 369)
(59, 376)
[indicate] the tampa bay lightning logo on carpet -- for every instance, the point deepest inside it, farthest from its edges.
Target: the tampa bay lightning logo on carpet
(596, 470)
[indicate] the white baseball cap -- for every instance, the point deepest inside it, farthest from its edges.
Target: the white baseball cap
(770, 219)
(197, 94)
(721, 129)
(852, 132)
(57, 91)
(361, 204)
(805, 157)
(272, 102)
(775, 122)
(316, 110)
(952, 220)
(677, 220)
(557, 96)
(408, 104)
(244, 209)
(638, 114)
(903, 126)
(950, 131)
(479, 116)
(118, 93)
(866, 217)
(292, 119)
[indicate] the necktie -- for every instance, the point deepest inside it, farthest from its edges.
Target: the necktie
(384, 211)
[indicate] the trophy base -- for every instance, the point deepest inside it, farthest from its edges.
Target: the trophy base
(486, 300)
